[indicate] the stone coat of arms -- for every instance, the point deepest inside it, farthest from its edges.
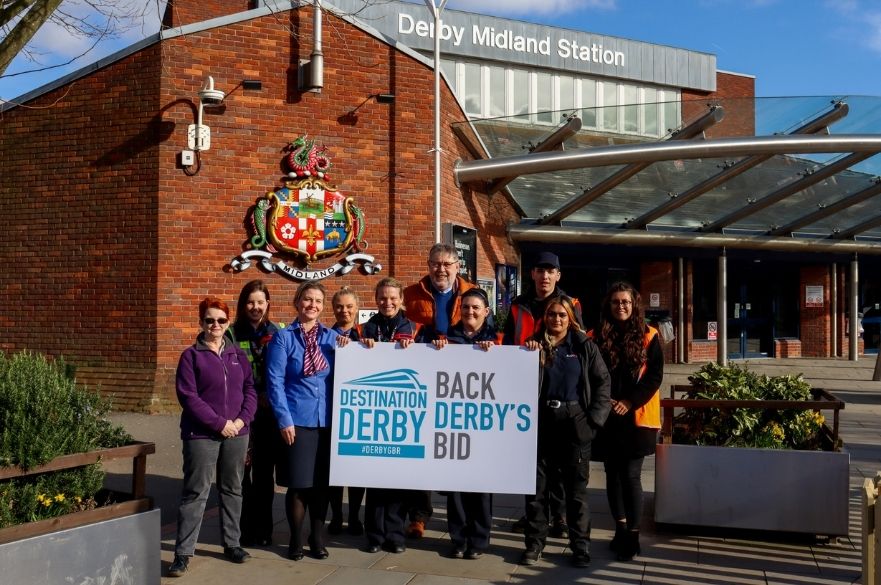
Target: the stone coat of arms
(307, 219)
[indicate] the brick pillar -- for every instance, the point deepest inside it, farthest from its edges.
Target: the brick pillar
(815, 324)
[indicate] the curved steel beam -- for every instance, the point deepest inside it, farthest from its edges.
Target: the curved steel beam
(590, 194)
(831, 209)
(556, 139)
(870, 223)
(617, 155)
(838, 111)
(821, 174)
(606, 236)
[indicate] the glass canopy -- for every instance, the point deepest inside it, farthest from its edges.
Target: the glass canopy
(827, 195)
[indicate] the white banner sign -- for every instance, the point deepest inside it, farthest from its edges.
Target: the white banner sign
(455, 419)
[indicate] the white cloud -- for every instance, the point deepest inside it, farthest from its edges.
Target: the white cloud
(873, 40)
(525, 7)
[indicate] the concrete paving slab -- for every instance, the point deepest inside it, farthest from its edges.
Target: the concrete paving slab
(352, 575)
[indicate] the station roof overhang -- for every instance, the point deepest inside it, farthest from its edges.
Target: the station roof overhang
(755, 174)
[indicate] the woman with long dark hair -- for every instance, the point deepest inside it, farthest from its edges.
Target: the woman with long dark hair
(635, 359)
(251, 332)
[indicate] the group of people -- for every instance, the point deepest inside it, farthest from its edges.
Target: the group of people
(257, 401)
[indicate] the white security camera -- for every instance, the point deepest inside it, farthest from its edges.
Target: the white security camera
(210, 96)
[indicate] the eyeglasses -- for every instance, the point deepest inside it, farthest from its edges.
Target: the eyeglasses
(624, 303)
(212, 321)
(444, 264)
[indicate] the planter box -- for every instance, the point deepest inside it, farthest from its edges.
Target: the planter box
(755, 489)
(115, 543)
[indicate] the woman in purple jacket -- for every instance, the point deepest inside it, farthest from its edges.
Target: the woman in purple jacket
(216, 391)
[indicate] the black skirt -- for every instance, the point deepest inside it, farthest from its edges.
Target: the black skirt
(307, 462)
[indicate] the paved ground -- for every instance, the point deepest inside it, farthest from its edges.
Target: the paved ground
(669, 556)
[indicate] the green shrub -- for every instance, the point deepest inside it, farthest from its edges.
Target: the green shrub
(748, 427)
(44, 414)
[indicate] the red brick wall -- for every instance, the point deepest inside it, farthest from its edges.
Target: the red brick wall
(141, 242)
(183, 12)
(78, 198)
(657, 277)
(736, 94)
(815, 324)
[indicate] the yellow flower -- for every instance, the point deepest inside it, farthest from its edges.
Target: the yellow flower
(41, 497)
(47, 502)
(59, 498)
(78, 500)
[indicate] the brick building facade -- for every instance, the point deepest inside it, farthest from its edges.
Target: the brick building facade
(110, 245)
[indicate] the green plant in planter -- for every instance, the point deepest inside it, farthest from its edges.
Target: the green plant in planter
(43, 415)
(748, 427)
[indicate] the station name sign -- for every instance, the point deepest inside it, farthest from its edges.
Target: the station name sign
(487, 39)
(505, 38)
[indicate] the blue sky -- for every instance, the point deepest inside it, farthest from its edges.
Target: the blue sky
(792, 47)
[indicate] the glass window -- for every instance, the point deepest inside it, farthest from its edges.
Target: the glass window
(472, 91)
(448, 68)
(650, 111)
(631, 110)
(544, 98)
(520, 94)
(610, 102)
(671, 112)
(567, 95)
(588, 103)
(497, 95)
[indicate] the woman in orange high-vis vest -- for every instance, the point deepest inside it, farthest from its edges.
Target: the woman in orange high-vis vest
(635, 359)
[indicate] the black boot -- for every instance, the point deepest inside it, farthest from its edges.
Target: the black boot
(620, 536)
(630, 547)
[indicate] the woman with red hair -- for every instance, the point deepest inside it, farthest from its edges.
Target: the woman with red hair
(215, 388)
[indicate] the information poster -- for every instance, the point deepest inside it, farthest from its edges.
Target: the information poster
(451, 419)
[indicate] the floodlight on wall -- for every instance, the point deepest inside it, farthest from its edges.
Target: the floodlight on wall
(252, 84)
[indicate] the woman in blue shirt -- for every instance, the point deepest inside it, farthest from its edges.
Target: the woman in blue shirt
(299, 383)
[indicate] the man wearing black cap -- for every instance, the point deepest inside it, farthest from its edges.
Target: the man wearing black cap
(527, 309)
(523, 322)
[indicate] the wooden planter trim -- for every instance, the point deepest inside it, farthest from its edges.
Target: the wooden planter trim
(137, 451)
(823, 400)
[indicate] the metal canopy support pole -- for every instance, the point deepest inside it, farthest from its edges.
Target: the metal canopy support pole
(600, 156)
(833, 308)
(722, 311)
(680, 308)
(436, 12)
(853, 332)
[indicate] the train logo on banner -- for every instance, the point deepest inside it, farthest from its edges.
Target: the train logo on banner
(307, 219)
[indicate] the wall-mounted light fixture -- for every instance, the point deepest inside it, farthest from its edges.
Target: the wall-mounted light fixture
(252, 84)
(385, 98)
(199, 135)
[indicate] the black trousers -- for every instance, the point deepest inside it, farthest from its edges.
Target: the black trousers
(469, 519)
(258, 483)
(624, 489)
(384, 516)
(419, 505)
(564, 439)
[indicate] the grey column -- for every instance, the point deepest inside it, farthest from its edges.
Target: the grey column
(833, 308)
(680, 335)
(854, 329)
(722, 312)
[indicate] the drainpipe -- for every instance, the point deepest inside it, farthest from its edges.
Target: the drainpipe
(316, 63)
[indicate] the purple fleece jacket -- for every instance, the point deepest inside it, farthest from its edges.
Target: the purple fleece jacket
(213, 389)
